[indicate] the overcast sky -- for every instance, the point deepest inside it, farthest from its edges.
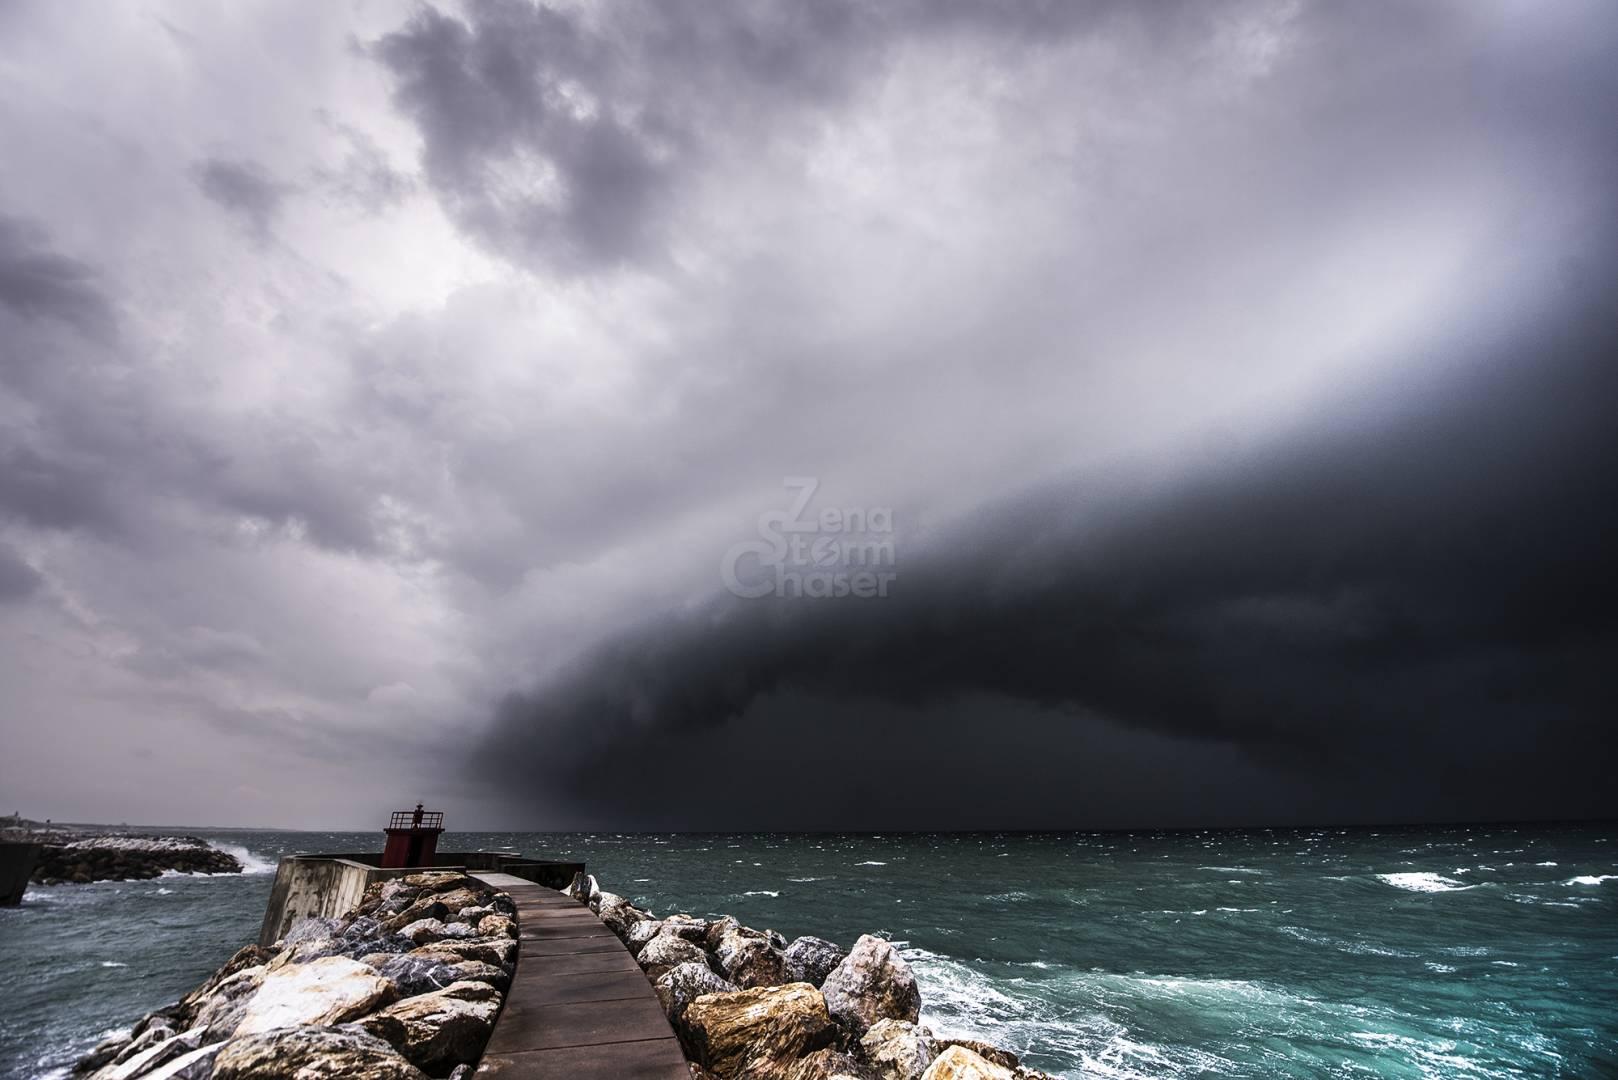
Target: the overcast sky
(382, 388)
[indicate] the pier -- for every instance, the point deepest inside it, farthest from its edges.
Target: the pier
(579, 1005)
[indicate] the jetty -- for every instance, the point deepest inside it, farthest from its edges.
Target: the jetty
(579, 1005)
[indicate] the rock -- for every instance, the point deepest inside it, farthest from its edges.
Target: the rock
(811, 959)
(496, 926)
(717, 930)
(959, 1063)
(156, 1047)
(666, 951)
(583, 888)
(826, 1064)
(425, 908)
(1003, 1058)
(872, 983)
(424, 931)
(477, 971)
(308, 1053)
(442, 1029)
(683, 983)
(222, 1010)
(778, 942)
(641, 933)
(437, 881)
(311, 928)
(457, 899)
(748, 959)
(194, 1065)
(462, 1072)
(689, 927)
(322, 992)
(498, 951)
(757, 1033)
(412, 974)
(898, 1049)
(619, 915)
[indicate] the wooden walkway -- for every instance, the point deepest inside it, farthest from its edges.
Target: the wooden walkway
(579, 1006)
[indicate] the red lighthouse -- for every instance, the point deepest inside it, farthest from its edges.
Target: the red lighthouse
(412, 838)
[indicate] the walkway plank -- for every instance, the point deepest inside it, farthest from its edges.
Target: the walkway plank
(579, 1006)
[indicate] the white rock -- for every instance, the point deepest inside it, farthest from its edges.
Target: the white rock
(959, 1063)
(331, 990)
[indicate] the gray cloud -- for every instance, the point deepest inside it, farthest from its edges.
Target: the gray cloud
(36, 283)
(243, 188)
(17, 578)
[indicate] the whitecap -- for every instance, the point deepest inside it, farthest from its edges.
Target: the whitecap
(1590, 879)
(761, 892)
(871, 863)
(113, 964)
(251, 864)
(1421, 881)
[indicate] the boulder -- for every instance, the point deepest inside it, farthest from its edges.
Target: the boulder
(193, 1065)
(437, 881)
(496, 926)
(427, 907)
(620, 915)
(498, 951)
(898, 1049)
(412, 974)
(442, 1029)
(222, 1010)
(688, 927)
(683, 983)
(811, 959)
(583, 888)
(959, 1063)
(666, 951)
(424, 931)
(641, 933)
(717, 930)
(872, 983)
(987, 1051)
(477, 971)
(757, 1033)
(748, 959)
(304, 1053)
(825, 1064)
(159, 1049)
(322, 992)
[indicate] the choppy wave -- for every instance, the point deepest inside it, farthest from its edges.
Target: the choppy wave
(1422, 881)
(251, 863)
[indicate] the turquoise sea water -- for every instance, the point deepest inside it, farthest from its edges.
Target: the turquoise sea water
(1456, 952)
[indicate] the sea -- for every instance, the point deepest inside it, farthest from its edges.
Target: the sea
(1409, 952)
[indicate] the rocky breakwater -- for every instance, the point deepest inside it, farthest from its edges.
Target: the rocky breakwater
(405, 986)
(84, 859)
(750, 1005)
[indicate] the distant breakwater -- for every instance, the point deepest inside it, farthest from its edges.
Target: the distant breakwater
(85, 859)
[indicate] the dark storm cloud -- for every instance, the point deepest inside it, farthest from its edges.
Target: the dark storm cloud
(243, 188)
(36, 283)
(17, 578)
(1410, 612)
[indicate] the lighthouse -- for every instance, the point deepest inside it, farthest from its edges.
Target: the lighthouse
(412, 838)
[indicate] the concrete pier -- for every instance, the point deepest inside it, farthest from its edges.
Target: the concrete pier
(325, 886)
(579, 1006)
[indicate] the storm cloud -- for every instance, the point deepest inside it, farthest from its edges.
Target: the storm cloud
(380, 391)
